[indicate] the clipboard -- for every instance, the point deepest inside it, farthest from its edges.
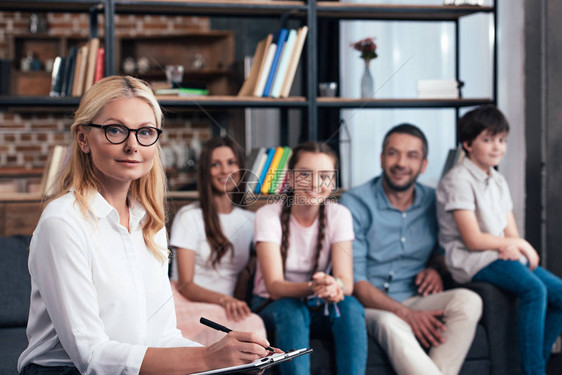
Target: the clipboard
(259, 364)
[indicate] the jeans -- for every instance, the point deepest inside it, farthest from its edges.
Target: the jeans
(540, 308)
(290, 322)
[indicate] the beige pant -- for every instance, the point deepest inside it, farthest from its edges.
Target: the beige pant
(462, 308)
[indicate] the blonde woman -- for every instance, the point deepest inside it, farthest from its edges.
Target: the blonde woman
(101, 302)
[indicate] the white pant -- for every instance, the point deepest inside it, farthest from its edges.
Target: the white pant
(462, 310)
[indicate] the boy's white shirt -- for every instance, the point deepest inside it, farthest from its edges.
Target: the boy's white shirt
(468, 187)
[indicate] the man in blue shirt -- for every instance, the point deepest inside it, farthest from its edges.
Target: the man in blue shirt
(396, 261)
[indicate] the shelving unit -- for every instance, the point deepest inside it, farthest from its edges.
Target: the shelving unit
(309, 12)
(214, 47)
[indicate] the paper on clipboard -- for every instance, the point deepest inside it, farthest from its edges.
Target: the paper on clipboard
(259, 364)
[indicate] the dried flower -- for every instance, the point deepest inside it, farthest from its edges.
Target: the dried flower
(367, 47)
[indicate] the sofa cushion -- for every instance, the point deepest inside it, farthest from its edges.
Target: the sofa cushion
(13, 341)
(479, 348)
(15, 287)
(322, 359)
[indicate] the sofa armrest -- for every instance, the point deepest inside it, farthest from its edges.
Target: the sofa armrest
(499, 317)
(15, 288)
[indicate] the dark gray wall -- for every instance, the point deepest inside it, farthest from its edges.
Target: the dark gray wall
(543, 91)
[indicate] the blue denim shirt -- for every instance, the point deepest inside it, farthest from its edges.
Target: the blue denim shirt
(391, 246)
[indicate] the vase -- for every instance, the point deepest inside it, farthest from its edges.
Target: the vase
(367, 82)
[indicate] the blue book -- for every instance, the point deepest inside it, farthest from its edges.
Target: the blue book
(263, 174)
(280, 43)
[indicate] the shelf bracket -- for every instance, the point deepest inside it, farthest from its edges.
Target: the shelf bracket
(93, 22)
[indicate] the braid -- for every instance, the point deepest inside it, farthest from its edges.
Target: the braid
(321, 234)
(285, 217)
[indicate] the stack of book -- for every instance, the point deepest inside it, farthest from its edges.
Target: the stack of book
(438, 89)
(76, 72)
(274, 64)
(268, 169)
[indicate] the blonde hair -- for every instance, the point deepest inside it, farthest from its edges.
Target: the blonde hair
(78, 172)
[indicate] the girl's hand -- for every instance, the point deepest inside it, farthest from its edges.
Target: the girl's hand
(326, 287)
(236, 348)
(236, 309)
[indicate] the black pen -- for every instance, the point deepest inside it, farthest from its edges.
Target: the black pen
(220, 327)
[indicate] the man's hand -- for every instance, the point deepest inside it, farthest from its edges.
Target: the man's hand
(429, 281)
(425, 325)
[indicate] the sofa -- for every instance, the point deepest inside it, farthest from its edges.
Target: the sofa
(494, 350)
(15, 289)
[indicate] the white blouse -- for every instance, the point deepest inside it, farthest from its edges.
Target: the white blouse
(99, 298)
(188, 232)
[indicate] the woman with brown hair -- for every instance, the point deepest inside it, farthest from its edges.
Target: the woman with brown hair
(212, 240)
(101, 301)
(304, 280)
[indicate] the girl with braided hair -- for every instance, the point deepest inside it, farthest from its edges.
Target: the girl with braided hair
(304, 280)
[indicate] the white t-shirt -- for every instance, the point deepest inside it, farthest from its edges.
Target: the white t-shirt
(99, 298)
(302, 241)
(188, 232)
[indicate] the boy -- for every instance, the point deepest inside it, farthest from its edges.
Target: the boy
(481, 241)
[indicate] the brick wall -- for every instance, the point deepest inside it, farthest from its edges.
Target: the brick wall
(27, 135)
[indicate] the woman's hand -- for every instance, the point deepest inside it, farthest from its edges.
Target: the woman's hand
(326, 287)
(236, 348)
(236, 309)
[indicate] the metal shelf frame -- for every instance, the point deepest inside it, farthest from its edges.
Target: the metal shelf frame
(309, 11)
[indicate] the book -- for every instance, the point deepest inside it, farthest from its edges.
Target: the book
(5, 74)
(283, 64)
(258, 364)
(249, 84)
(438, 89)
(182, 91)
(270, 175)
(264, 70)
(68, 76)
(252, 163)
(57, 76)
(281, 172)
(93, 45)
(294, 63)
(283, 33)
(53, 168)
(100, 64)
(256, 170)
(265, 168)
(80, 71)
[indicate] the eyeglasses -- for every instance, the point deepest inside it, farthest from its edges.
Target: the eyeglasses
(117, 134)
